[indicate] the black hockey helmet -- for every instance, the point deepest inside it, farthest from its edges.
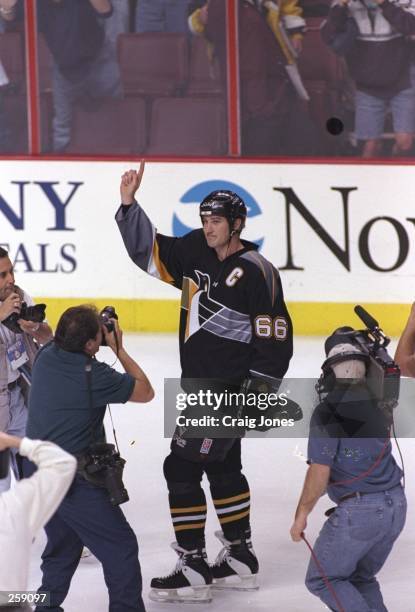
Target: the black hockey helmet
(224, 203)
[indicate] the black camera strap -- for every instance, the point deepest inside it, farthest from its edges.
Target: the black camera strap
(88, 372)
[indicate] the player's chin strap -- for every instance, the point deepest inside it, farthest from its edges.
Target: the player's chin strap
(217, 279)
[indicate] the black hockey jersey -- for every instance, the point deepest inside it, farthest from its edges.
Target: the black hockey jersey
(233, 322)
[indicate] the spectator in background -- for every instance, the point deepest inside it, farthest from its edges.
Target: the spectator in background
(274, 119)
(4, 132)
(161, 16)
(85, 65)
(119, 22)
(370, 35)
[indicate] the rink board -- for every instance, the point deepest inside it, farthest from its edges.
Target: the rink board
(340, 235)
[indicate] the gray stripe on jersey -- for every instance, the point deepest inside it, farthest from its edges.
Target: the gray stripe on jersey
(270, 273)
(228, 324)
(139, 244)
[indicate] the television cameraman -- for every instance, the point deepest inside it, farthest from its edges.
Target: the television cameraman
(350, 458)
(69, 393)
(16, 350)
(28, 506)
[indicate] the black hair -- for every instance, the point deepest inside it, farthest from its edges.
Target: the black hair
(3, 253)
(76, 326)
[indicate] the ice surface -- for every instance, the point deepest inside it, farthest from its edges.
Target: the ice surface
(275, 475)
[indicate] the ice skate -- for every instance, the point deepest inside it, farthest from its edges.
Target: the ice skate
(189, 582)
(236, 566)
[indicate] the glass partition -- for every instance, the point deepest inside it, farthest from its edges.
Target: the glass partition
(278, 79)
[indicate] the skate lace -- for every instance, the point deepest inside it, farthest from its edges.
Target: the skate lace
(221, 556)
(176, 570)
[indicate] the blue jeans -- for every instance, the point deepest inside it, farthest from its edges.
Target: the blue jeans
(162, 16)
(118, 23)
(101, 79)
(86, 517)
(371, 112)
(353, 545)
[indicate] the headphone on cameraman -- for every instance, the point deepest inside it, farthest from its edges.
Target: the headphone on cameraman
(340, 336)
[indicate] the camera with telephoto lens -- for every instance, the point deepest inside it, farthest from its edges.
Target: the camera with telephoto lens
(28, 313)
(4, 463)
(103, 467)
(106, 315)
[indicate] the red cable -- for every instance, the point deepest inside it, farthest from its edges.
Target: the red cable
(369, 471)
(323, 575)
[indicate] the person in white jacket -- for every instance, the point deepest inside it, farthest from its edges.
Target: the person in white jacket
(26, 507)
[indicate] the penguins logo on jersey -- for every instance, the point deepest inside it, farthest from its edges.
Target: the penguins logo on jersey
(205, 313)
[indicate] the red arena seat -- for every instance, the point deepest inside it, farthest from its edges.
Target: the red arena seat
(204, 75)
(117, 127)
(12, 56)
(153, 63)
(187, 126)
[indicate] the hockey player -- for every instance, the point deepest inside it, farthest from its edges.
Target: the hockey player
(233, 325)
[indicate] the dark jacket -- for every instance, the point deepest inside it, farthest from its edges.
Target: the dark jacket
(379, 58)
(264, 81)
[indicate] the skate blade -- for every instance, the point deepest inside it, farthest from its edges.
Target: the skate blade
(196, 594)
(237, 583)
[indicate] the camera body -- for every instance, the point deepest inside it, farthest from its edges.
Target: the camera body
(103, 467)
(106, 315)
(34, 313)
(383, 374)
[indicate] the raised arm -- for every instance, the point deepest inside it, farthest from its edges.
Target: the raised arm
(158, 255)
(142, 391)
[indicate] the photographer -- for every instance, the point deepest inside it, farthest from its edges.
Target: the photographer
(16, 350)
(28, 506)
(69, 394)
(350, 458)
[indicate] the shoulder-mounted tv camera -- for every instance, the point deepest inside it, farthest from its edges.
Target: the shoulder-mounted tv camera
(382, 375)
